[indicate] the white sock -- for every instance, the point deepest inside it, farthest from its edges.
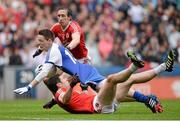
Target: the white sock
(133, 68)
(160, 68)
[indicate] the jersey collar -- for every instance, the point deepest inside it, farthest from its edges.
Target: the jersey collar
(66, 26)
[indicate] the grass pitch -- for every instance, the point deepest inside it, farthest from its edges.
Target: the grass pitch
(32, 110)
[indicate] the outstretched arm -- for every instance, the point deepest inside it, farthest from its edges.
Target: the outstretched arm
(45, 70)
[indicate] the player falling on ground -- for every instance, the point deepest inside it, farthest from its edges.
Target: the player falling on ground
(84, 72)
(74, 101)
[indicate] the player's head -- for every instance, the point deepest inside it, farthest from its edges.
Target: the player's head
(45, 38)
(64, 16)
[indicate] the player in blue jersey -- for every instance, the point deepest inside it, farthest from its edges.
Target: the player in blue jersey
(60, 57)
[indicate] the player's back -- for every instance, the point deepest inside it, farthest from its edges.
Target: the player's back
(85, 72)
(62, 58)
(79, 103)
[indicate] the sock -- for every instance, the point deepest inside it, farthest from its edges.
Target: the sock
(160, 68)
(140, 97)
(133, 68)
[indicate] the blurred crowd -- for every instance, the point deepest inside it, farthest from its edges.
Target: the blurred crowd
(112, 27)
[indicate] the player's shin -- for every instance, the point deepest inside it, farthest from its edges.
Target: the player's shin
(160, 68)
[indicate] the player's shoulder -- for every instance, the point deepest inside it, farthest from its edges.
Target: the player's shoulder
(74, 23)
(55, 26)
(54, 48)
(75, 26)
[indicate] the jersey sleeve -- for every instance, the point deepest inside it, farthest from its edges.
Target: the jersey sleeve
(44, 72)
(54, 56)
(75, 28)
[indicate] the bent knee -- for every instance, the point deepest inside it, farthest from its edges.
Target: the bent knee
(111, 79)
(130, 81)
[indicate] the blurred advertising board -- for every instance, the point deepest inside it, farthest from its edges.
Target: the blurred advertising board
(163, 87)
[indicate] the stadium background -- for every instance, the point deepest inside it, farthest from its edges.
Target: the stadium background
(112, 27)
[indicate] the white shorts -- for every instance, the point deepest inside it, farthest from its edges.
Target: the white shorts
(104, 109)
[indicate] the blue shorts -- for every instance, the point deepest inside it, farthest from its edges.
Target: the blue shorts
(89, 74)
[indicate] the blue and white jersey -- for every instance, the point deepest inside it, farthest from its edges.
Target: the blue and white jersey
(62, 58)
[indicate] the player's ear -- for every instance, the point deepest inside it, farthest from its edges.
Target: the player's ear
(70, 18)
(49, 40)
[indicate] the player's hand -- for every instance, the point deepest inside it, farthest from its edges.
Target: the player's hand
(66, 44)
(22, 90)
(73, 80)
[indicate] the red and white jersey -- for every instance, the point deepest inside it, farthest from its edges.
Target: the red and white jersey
(65, 36)
(79, 103)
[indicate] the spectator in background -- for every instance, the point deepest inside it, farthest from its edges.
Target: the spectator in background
(93, 49)
(21, 18)
(15, 58)
(136, 12)
(105, 45)
(174, 37)
(117, 57)
(177, 50)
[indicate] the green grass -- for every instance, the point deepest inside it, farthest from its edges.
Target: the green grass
(32, 110)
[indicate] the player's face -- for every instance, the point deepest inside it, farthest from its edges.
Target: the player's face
(43, 43)
(63, 18)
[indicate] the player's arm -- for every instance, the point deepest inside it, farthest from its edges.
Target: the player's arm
(45, 70)
(66, 95)
(75, 41)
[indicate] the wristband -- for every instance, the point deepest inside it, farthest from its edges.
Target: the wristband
(29, 87)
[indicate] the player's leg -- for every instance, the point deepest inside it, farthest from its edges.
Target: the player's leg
(107, 92)
(125, 87)
(150, 74)
(151, 100)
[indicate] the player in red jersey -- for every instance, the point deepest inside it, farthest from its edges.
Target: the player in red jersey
(70, 34)
(72, 37)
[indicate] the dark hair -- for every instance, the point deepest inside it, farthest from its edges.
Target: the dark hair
(69, 12)
(48, 34)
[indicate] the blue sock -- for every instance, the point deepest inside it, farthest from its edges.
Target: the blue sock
(140, 97)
